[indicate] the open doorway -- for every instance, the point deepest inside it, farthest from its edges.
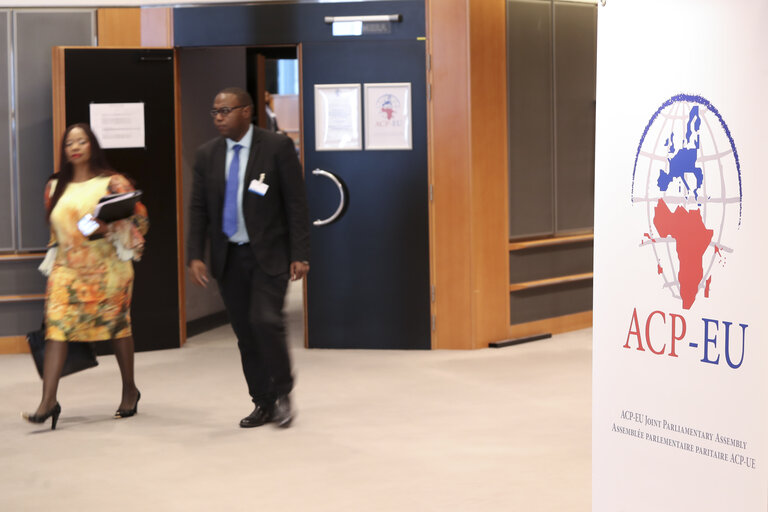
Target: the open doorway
(369, 283)
(273, 81)
(203, 72)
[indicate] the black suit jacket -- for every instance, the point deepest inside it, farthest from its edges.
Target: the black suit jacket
(277, 223)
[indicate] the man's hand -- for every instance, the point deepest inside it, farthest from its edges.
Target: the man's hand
(299, 269)
(198, 273)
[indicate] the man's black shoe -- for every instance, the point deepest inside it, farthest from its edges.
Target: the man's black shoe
(282, 414)
(261, 414)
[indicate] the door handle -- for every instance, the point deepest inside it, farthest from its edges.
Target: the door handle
(342, 199)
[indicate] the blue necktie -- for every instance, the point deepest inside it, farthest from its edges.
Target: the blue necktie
(229, 219)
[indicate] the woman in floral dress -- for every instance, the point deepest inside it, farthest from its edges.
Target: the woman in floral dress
(90, 283)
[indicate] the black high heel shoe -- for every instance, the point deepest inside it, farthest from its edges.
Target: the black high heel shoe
(41, 418)
(127, 413)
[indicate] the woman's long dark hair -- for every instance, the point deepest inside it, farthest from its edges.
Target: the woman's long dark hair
(98, 163)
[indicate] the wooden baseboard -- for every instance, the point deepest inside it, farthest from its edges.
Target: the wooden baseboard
(548, 242)
(554, 325)
(13, 345)
(552, 281)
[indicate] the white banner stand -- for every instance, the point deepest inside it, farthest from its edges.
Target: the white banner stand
(681, 257)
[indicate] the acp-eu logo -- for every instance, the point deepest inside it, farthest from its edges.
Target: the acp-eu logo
(686, 185)
(687, 181)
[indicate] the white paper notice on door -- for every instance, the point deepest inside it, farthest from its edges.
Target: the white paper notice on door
(118, 125)
(337, 117)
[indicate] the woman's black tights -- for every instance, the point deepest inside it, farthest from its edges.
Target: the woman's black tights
(123, 348)
(53, 364)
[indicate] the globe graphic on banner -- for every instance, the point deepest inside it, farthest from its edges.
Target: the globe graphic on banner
(687, 183)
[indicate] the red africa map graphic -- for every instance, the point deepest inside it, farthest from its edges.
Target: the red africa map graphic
(692, 239)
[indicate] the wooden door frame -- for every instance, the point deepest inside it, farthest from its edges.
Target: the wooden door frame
(60, 124)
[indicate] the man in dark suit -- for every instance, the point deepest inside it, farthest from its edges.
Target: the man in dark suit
(249, 202)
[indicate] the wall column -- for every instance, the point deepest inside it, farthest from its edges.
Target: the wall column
(119, 27)
(468, 172)
(135, 27)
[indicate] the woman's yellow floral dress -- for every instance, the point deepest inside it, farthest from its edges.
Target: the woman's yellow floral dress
(88, 297)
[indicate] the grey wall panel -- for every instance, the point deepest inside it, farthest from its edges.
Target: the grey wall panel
(21, 277)
(18, 318)
(575, 37)
(7, 201)
(553, 261)
(36, 32)
(222, 67)
(550, 301)
(529, 41)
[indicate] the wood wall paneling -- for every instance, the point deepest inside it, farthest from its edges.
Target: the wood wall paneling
(13, 345)
(300, 57)
(119, 27)
(488, 82)
(450, 172)
(545, 242)
(180, 243)
(156, 27)
(468, 168)
(555, 325)
(261, 87)
(22, 256)
(540, 283)
(59, 102)
(135, 27)
(22, 297)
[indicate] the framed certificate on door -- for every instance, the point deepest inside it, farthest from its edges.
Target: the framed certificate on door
(388, 116)
(337, 117)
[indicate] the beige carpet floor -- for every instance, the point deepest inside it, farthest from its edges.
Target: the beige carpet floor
(488, 430)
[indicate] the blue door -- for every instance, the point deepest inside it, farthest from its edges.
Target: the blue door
(369, 281)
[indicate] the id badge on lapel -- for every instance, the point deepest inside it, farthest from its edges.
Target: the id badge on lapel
(258, 186)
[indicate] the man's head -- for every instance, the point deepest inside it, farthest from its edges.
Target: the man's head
(232, 110)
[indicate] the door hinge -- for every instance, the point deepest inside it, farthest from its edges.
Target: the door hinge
(433, 293)
(429, 62)
(429, 92)
(431, 192)
(434, 320)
